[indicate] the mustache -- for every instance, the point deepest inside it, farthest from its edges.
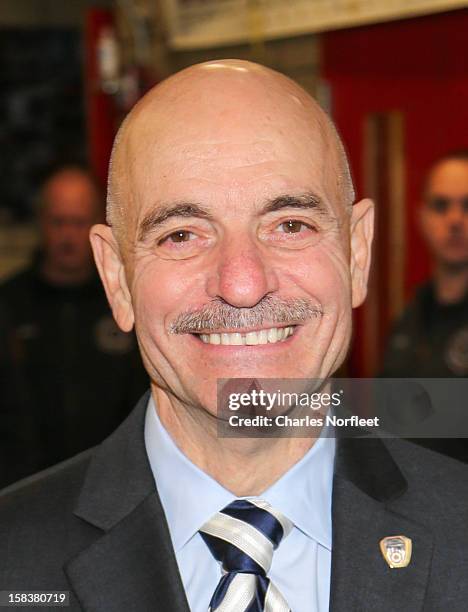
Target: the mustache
(218, 315)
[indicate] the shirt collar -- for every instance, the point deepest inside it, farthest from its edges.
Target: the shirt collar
(190, 497)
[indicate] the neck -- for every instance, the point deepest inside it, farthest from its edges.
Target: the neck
(244, 466)
(450, 283)
(60, 276)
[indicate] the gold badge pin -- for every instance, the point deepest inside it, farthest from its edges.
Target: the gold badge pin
(396, 550)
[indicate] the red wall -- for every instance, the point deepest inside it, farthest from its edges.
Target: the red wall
(100, 107)
(418, 66)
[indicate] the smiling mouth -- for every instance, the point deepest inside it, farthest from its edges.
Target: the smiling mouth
(251, 338)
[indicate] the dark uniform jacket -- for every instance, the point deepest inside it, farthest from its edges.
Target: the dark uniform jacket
(430, 340)
(68, 375)
(95, 526)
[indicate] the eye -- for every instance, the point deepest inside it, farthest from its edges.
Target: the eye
(178, 236)
(183, 243)
(293, 226)
(439, 204)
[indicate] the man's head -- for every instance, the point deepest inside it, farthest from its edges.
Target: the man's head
(69, 204)
(444, 210)
(230, 205)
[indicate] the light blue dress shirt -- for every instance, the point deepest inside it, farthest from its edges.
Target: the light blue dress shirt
(301, 565)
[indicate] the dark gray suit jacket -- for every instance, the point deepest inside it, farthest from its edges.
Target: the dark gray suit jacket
(94, 526)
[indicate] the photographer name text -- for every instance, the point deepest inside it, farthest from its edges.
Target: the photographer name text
(306, 421)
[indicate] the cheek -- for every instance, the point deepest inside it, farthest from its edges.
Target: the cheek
(160, 290)
(324, 275)
(333, 280)
(433, 229)
(52, 237)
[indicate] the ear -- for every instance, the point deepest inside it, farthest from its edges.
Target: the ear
(112, 272)
(362, 232)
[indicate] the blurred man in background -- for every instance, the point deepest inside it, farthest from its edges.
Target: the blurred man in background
(431, 337)
(61, 345)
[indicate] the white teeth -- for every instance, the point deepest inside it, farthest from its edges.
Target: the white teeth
(251, 338)
(272, 335)
(264, 336)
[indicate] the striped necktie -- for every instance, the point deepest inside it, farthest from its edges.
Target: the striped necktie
(243, 537)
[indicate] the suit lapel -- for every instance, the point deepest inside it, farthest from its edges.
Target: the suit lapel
(367, 480)
(132, 566)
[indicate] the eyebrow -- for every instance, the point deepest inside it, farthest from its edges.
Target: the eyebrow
(306, 201)
(159, 216)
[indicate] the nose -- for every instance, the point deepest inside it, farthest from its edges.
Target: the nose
(455, 215)
(242, 275)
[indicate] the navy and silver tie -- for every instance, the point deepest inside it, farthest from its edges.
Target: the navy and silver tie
(243, 537)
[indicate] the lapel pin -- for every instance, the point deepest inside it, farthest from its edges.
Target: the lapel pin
(396, 550)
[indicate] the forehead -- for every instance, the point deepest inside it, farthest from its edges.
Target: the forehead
(239, 161)
(449, 177)
(70, 194)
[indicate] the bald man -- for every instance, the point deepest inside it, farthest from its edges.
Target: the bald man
(235, 249)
